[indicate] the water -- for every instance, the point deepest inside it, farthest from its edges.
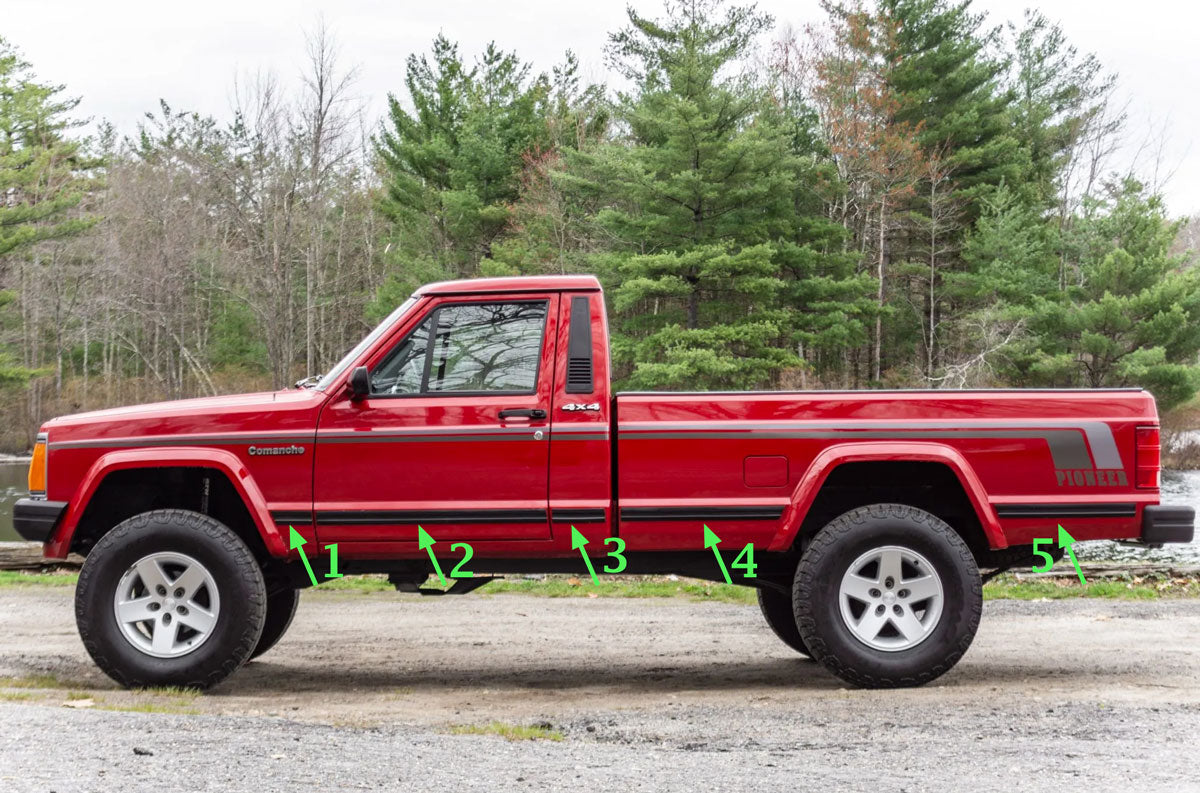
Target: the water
(13, 485)
(1179, 487)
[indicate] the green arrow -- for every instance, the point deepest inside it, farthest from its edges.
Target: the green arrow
(710, 541)
(578, 541)
(425, 542)
(298, 545)
(1065, 540)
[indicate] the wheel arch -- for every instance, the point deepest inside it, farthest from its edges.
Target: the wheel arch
(935, 460)
(108, 471)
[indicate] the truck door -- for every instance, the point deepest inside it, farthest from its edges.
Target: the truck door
(454, 435)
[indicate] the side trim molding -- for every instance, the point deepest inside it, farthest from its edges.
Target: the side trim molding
(1104, 510)
(577, 515)
(291, 516)
(754, 512)
(369, 517)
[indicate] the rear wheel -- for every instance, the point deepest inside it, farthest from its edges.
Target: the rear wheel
(887, 595)
(777, 609)
(170, 598)
(281, 608)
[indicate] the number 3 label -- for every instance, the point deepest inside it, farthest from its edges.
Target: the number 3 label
(616, 554)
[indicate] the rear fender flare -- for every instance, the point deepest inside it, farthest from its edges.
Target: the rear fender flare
(823, 464)
(226, 462)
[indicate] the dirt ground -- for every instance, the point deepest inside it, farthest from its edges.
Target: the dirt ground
(667, 694)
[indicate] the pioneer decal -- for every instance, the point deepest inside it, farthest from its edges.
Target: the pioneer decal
(1091, 477)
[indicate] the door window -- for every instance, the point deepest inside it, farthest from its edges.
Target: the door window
(475, 348)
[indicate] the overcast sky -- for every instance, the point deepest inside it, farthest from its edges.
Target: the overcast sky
(122, 56)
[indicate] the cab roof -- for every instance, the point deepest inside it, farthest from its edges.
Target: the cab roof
(530, 283)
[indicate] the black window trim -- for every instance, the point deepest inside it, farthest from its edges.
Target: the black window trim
(433, 316)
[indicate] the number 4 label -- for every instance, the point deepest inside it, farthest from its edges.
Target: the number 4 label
(748, 567)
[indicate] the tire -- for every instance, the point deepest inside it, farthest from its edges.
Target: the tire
(207, 632)
(281, 608)
(777, 609)
(861, 640)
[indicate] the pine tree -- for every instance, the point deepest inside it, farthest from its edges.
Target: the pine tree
(949, 88)
(43, 173)
(41, 168)
(1134, 316)
(1059, 99)
(451, 165)
(699, 206)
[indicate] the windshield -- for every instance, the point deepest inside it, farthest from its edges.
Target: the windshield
(362, 346)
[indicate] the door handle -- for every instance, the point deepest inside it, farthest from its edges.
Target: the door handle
(523, 413)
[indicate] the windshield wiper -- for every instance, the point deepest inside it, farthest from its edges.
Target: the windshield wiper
(310, 381)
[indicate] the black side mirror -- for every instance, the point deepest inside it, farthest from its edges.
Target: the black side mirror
(360, 383)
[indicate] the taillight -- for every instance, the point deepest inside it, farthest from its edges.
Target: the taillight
(1148, 457)
(37, 468)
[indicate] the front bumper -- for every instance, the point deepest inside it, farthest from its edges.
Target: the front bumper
(35, 518)
(1168, 523)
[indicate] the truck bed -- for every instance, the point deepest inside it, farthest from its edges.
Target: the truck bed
(752, 462)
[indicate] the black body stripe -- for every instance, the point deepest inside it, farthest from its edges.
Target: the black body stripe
(376, 517)
(1066, 510)
(756, 512)
(578, 516)
(291, 516)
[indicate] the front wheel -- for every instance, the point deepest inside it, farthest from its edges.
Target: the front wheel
(170, 598)
(887, 595)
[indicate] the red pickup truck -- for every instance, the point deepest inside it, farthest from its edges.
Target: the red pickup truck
(474, 430)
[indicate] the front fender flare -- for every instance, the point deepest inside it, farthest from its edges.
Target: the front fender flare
(226, 462)
(875, 451)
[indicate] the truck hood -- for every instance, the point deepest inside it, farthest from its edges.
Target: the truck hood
(175, 407)
(238, 412)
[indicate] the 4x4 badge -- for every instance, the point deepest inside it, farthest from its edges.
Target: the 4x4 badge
(581, 406)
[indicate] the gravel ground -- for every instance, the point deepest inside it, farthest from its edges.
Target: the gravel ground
(648, 694)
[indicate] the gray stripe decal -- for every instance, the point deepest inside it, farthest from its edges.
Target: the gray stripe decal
(1099, 435)
(426, 435)
(184, 440)
(403, 431)
(524, 435)
(1066, 446)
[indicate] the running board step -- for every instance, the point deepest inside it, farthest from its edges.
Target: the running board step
(461, 586)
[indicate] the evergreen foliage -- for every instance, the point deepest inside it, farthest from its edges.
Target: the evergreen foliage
(906, 195)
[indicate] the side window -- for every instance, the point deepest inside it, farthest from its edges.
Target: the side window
(487, 347)
(475, 347)
(402, 370)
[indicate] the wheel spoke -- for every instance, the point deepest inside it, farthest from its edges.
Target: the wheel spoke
(907, 623)
(198, 619)
(858, 587)
(190, 580)
(137, 610)
(164, 636)
(151, 574)
(921, 588)
(889, 566)
(870, 624)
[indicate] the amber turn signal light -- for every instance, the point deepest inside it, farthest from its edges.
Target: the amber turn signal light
(37, 469)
